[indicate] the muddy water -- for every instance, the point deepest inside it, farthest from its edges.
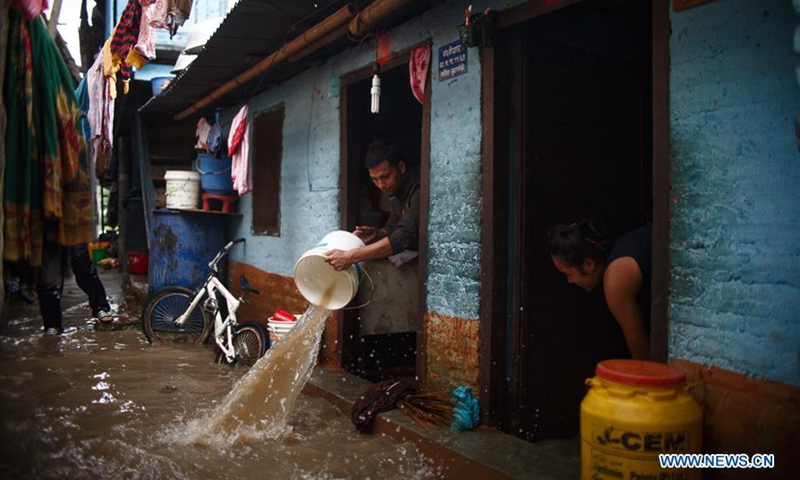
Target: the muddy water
(106, 404)
(261, 402)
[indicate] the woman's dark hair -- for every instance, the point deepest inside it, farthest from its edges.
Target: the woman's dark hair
(576, 242)
(381, 150)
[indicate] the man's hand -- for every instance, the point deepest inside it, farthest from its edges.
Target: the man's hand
(366, 234)
(338, 259)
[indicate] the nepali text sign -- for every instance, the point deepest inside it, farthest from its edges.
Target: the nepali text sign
(452, 60)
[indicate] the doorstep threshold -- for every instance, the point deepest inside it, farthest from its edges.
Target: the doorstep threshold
(483, 453)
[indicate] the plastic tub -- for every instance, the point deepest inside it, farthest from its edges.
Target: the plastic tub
(215, 174)
(320, 283)
(634, 411)
(183, 189)
(159, 84)
(137, 263)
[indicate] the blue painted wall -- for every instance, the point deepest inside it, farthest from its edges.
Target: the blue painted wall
(735, 174)
(310, 164)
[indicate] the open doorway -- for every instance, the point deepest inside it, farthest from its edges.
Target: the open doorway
(578, 111)
(379, 340)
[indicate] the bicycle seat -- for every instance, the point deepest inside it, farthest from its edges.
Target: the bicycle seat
(244, 285)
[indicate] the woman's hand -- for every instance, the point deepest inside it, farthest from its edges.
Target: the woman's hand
(339, 260)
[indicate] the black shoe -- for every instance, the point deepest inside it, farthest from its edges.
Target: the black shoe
(26, 296)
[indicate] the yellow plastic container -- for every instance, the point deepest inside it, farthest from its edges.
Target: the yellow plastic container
(634, 411)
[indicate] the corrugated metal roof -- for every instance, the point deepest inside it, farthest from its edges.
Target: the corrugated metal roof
(252, 30)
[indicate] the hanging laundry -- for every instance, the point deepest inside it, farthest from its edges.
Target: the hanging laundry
(125, 36)
(47, 191)
(178, 12)
(239, 151)
(201, 132)
(214, 137)
(102, 91)
(146, 43)
(158, 15)
(418, 70)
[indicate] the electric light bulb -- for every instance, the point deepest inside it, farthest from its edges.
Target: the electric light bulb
(375, 91)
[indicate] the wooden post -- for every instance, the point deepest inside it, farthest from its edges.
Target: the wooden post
(52, 23)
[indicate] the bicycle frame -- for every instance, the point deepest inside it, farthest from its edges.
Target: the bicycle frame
(230, 321)
(223, 329)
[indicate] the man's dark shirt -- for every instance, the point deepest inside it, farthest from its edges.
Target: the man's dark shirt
(403, 224)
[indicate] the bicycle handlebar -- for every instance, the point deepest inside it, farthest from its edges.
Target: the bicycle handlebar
(222, 253)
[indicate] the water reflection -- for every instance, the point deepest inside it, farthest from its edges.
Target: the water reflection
(106, 404)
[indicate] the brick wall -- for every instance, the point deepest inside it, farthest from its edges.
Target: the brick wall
(735, 174)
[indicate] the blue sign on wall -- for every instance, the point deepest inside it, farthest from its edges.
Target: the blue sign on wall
(452, 60)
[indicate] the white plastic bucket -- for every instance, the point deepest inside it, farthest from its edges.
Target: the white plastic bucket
(183, 188)
(320, 283)
(278, 328)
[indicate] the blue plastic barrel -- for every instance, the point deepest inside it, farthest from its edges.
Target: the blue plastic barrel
(215, 174)
(182, 245)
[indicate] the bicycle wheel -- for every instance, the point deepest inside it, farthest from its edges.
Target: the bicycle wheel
(167, 305)
(250, 342)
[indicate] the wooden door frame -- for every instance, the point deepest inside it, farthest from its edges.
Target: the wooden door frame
(347, 326)
(494, 234)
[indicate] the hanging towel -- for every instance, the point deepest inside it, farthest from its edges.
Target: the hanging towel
(239, 151)
(418, 70)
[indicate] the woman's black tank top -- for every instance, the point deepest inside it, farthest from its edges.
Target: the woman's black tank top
(638, 245)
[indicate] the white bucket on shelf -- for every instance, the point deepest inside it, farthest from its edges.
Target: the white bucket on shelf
(319, 282)
(183, 188)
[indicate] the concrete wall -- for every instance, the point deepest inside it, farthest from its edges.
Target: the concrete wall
(735, 173)
(310, 170)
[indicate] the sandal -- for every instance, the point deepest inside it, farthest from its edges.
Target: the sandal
(105, 317)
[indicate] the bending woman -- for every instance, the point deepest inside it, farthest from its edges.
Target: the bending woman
(586, 255)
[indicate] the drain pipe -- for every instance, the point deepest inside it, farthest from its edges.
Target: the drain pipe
(323, 33)
(310, 38)
(358, 26)
(373, 14)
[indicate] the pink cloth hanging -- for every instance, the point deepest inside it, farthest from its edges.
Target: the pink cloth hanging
(239, 150)
(418, 70)
(158, 18)
(146, 43)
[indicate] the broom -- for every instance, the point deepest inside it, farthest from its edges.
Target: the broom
(459, 410)
(428, 409)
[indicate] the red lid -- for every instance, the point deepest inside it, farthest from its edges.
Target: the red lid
(639, 372)
(283, 316)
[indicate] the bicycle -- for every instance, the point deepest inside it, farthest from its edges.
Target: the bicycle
(176, 314)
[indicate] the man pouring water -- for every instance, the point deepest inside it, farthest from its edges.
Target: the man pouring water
(398, 239)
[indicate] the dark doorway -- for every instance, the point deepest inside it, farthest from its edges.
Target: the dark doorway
(579, 127)
(379, 340)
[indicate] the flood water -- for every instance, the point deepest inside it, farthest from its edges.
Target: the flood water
(106, 404)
